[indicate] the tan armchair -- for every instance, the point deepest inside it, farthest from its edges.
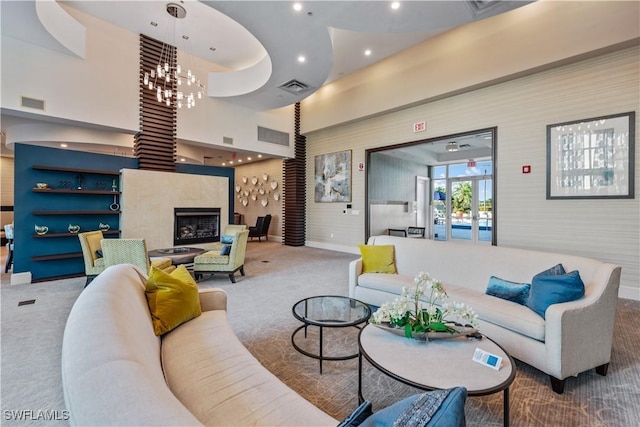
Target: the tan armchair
(214, 262)
(132, 251)
(90, 242)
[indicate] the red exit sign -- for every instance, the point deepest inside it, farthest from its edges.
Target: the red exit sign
(471, 164)
(420, 127)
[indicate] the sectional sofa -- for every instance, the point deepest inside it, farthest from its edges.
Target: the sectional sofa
(117, 372)
(567, 339)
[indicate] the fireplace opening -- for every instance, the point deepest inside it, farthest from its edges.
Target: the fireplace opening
(196, 225)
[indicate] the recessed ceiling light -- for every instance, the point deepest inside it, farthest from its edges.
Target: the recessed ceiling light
(154, 24)
(63, 145)
(248, 158)
(212, 49)
(231, 162)
(301, 58)
(183, 159)
(395, 5)
(239, 160)
(224, 164)
(297, 6)
(367, 52)
(259, 156)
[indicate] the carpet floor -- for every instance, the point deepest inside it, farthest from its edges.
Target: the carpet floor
(259, 307)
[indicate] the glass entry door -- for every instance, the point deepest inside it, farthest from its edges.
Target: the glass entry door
(469, 204)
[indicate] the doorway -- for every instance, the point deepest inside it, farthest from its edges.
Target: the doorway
(450, 182)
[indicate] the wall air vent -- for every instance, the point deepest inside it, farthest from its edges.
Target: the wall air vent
(295, 87)
(227, 140)
(37, 104)
(273, 136)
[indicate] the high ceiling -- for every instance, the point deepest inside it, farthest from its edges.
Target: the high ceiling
(253, 47)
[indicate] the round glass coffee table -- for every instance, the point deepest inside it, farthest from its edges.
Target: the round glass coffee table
(328, 311)
(437, 363)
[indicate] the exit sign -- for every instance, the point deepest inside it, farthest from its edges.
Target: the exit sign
(420, 127)
(471, 164)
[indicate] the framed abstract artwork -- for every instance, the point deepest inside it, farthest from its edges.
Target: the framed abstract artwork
(332, 177)
(591, 158)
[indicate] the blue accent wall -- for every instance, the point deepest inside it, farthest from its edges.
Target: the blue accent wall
(26, 201)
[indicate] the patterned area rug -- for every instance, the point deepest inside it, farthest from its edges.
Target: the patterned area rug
(260, 312)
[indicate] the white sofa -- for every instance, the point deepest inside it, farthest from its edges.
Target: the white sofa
(116, 372)
(576, 336)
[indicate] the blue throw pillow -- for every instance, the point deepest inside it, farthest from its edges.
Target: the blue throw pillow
(227, 239)
(360, 414)
(548, 289)
(448, 413)
(556, 270)
(225, 250)
(511, 291)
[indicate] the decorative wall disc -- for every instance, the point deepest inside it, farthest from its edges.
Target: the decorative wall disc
(276, 196)
(244, 179)
(254, 180)
(261, 191)
(274, 184)
(237, 188)
(264, 202)
(254, 197)
(265, 176)
(245, 202)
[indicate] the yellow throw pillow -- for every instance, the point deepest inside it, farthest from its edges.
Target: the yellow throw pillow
(173, 298)
(378, 259)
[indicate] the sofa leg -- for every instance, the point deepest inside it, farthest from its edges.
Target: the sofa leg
(602, 369)
(242, 270)
(232, 277)
(557, 385)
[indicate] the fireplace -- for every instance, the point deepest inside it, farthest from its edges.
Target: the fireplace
(196, 225)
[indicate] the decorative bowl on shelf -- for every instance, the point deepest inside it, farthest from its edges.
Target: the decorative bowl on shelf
(104, 227)
(41, 229)
(73, 228)
(42, 185)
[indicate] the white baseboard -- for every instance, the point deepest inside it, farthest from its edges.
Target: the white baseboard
(21, 278)
(628, 292)
(332, 247)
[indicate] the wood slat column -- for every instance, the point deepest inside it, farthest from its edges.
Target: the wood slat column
(155, 144)
(294, 206)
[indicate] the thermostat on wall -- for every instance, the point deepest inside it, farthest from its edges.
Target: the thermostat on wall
(487, 359)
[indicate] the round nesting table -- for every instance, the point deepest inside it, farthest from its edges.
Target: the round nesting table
(328, 311)
(436, 364)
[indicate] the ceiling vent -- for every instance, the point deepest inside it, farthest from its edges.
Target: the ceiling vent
(295, 87)
(479, 7)
(273, 136)
(227, 140)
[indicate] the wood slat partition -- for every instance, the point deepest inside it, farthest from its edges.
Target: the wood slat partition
(155, 144)
(294, 200)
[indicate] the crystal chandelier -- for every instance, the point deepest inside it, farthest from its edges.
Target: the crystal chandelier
(172, 84)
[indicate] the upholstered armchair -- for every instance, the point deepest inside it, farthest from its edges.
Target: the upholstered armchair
(261, 228)
(132, 251)
(90, 242)
(219, 262)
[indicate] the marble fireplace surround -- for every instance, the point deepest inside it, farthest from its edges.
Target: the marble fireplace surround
(148, 199)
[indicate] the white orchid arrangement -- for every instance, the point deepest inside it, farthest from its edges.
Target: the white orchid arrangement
(408, 312)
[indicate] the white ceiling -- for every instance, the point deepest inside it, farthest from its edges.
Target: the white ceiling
(235, 36)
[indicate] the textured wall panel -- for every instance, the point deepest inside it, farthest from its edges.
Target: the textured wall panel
(293, 176)
(520, 109)
(155, 144)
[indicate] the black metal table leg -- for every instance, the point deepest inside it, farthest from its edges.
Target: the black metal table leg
(360, 398)
(321, 354)
(506, 407)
